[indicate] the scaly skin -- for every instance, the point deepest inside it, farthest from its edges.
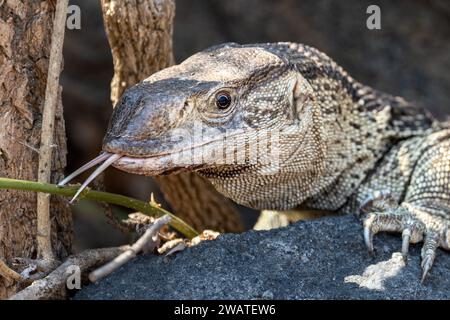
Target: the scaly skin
(322, 140)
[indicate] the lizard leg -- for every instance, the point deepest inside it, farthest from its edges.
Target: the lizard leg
(424, 214)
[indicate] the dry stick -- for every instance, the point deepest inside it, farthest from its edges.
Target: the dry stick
(9, 273)
(53, 286)
(48, 123)
(132, 251)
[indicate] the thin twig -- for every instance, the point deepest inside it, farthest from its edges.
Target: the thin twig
(117, 199)
(126, 256)
(9, 273)
(35, 268)
(48, 124)
(169, 245)
(23, 143)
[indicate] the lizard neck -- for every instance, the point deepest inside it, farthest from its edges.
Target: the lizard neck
(362, 126)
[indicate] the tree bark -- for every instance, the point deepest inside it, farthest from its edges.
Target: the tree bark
(140, 36)
(25, 34)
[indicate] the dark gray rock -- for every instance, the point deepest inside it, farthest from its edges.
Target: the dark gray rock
(320, 259)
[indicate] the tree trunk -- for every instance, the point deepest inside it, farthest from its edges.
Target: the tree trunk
(25, 33)
(140, 36)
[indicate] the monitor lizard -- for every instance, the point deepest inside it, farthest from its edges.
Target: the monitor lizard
(281, 125)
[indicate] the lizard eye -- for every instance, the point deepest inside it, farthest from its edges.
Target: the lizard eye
(223, 100)
(219, 106)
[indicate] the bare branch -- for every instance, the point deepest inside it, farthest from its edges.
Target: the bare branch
(48, 124)
(126, 256)
(53, 286)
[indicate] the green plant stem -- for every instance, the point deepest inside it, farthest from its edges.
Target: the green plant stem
(117, 199)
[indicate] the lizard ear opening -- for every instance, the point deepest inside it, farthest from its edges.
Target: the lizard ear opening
(301, 94)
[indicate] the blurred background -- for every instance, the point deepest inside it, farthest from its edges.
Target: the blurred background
(409, 56)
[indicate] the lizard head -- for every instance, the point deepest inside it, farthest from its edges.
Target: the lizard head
(235, 114)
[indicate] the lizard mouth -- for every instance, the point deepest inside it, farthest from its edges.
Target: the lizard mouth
(156, 165)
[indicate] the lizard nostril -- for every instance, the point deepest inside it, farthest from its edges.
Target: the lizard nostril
(183, 110)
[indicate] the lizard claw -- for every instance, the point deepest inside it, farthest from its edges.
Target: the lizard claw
(426, 266)
(378, 201)
(368, 238)
(406, 236)
(429, 253)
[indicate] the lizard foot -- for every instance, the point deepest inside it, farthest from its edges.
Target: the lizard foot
(382, 214)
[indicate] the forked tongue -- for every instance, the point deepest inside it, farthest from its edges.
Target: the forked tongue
(110, 158)
(85, 167)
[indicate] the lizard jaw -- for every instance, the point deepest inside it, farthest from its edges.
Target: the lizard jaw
(153, 166)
